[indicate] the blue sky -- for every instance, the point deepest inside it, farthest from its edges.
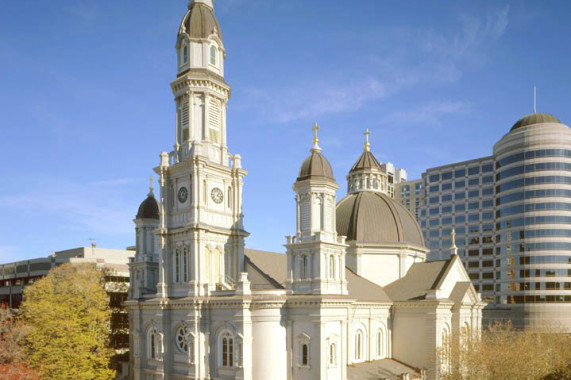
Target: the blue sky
(86, 107)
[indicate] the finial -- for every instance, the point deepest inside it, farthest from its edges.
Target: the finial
(315, 138)
(453, 248)
(534, 99)
(367, 143)
(151, 186)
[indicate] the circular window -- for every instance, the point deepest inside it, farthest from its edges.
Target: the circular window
(183, 338)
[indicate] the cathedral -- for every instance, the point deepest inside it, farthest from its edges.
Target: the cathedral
(351, 298)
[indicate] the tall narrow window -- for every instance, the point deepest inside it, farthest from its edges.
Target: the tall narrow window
(152, 343)
(359, 345)
(332, 266)
(204, 191)
(332, 354)
(213, 55)
(177, 265)
(185, 55)
(305, 354)
(379, 343)
(303, 266)
(229, 197)
(185, 265)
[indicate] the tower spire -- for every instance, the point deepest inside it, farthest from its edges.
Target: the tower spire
(367, 143)
(315, 138)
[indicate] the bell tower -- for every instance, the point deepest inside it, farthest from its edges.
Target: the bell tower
(316, 255)
(201, 230)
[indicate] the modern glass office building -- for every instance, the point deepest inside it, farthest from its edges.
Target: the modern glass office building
(512, 215)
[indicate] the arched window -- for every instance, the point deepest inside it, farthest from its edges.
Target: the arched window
(380, 343)
(332, 266)
(304, 354)
(445, 349)
(359, 345)
(227, 349)
(185, 55)
(152, 343)
(177, 265)
(332, 354)
(213, 52)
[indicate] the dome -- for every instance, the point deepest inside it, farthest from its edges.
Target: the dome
(149, 209)
(315, 166)
(535, 118)
(366, 161)
(374, 218)
(199, 21)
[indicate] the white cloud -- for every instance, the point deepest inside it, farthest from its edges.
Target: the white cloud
(427, 113)
(417, 57)
(96, 207)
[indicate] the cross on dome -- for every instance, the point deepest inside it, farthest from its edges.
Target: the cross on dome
(367, 143)
(151, 186)
(315, 138)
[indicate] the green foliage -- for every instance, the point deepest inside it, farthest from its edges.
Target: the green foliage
(68, 315)
(509, 354)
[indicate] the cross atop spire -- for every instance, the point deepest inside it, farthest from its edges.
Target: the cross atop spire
(367, 143)
(315, 138)
(151, 186)
(453, 248)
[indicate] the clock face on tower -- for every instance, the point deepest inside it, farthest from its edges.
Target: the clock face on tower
(217, 195)
(182, 194)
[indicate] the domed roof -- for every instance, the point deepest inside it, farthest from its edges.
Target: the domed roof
(374, 218)
(149, 209)
(366, 161)
(199, 21)
(535, 118)
(315, 165)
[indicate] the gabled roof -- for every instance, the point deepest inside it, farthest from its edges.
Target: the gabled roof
(419, 280)
(267, 270)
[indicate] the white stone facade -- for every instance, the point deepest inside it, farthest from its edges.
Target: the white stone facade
(218, 311)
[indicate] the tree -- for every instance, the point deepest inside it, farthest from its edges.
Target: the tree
(13, 353)
(68, 315)
(509, 354)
